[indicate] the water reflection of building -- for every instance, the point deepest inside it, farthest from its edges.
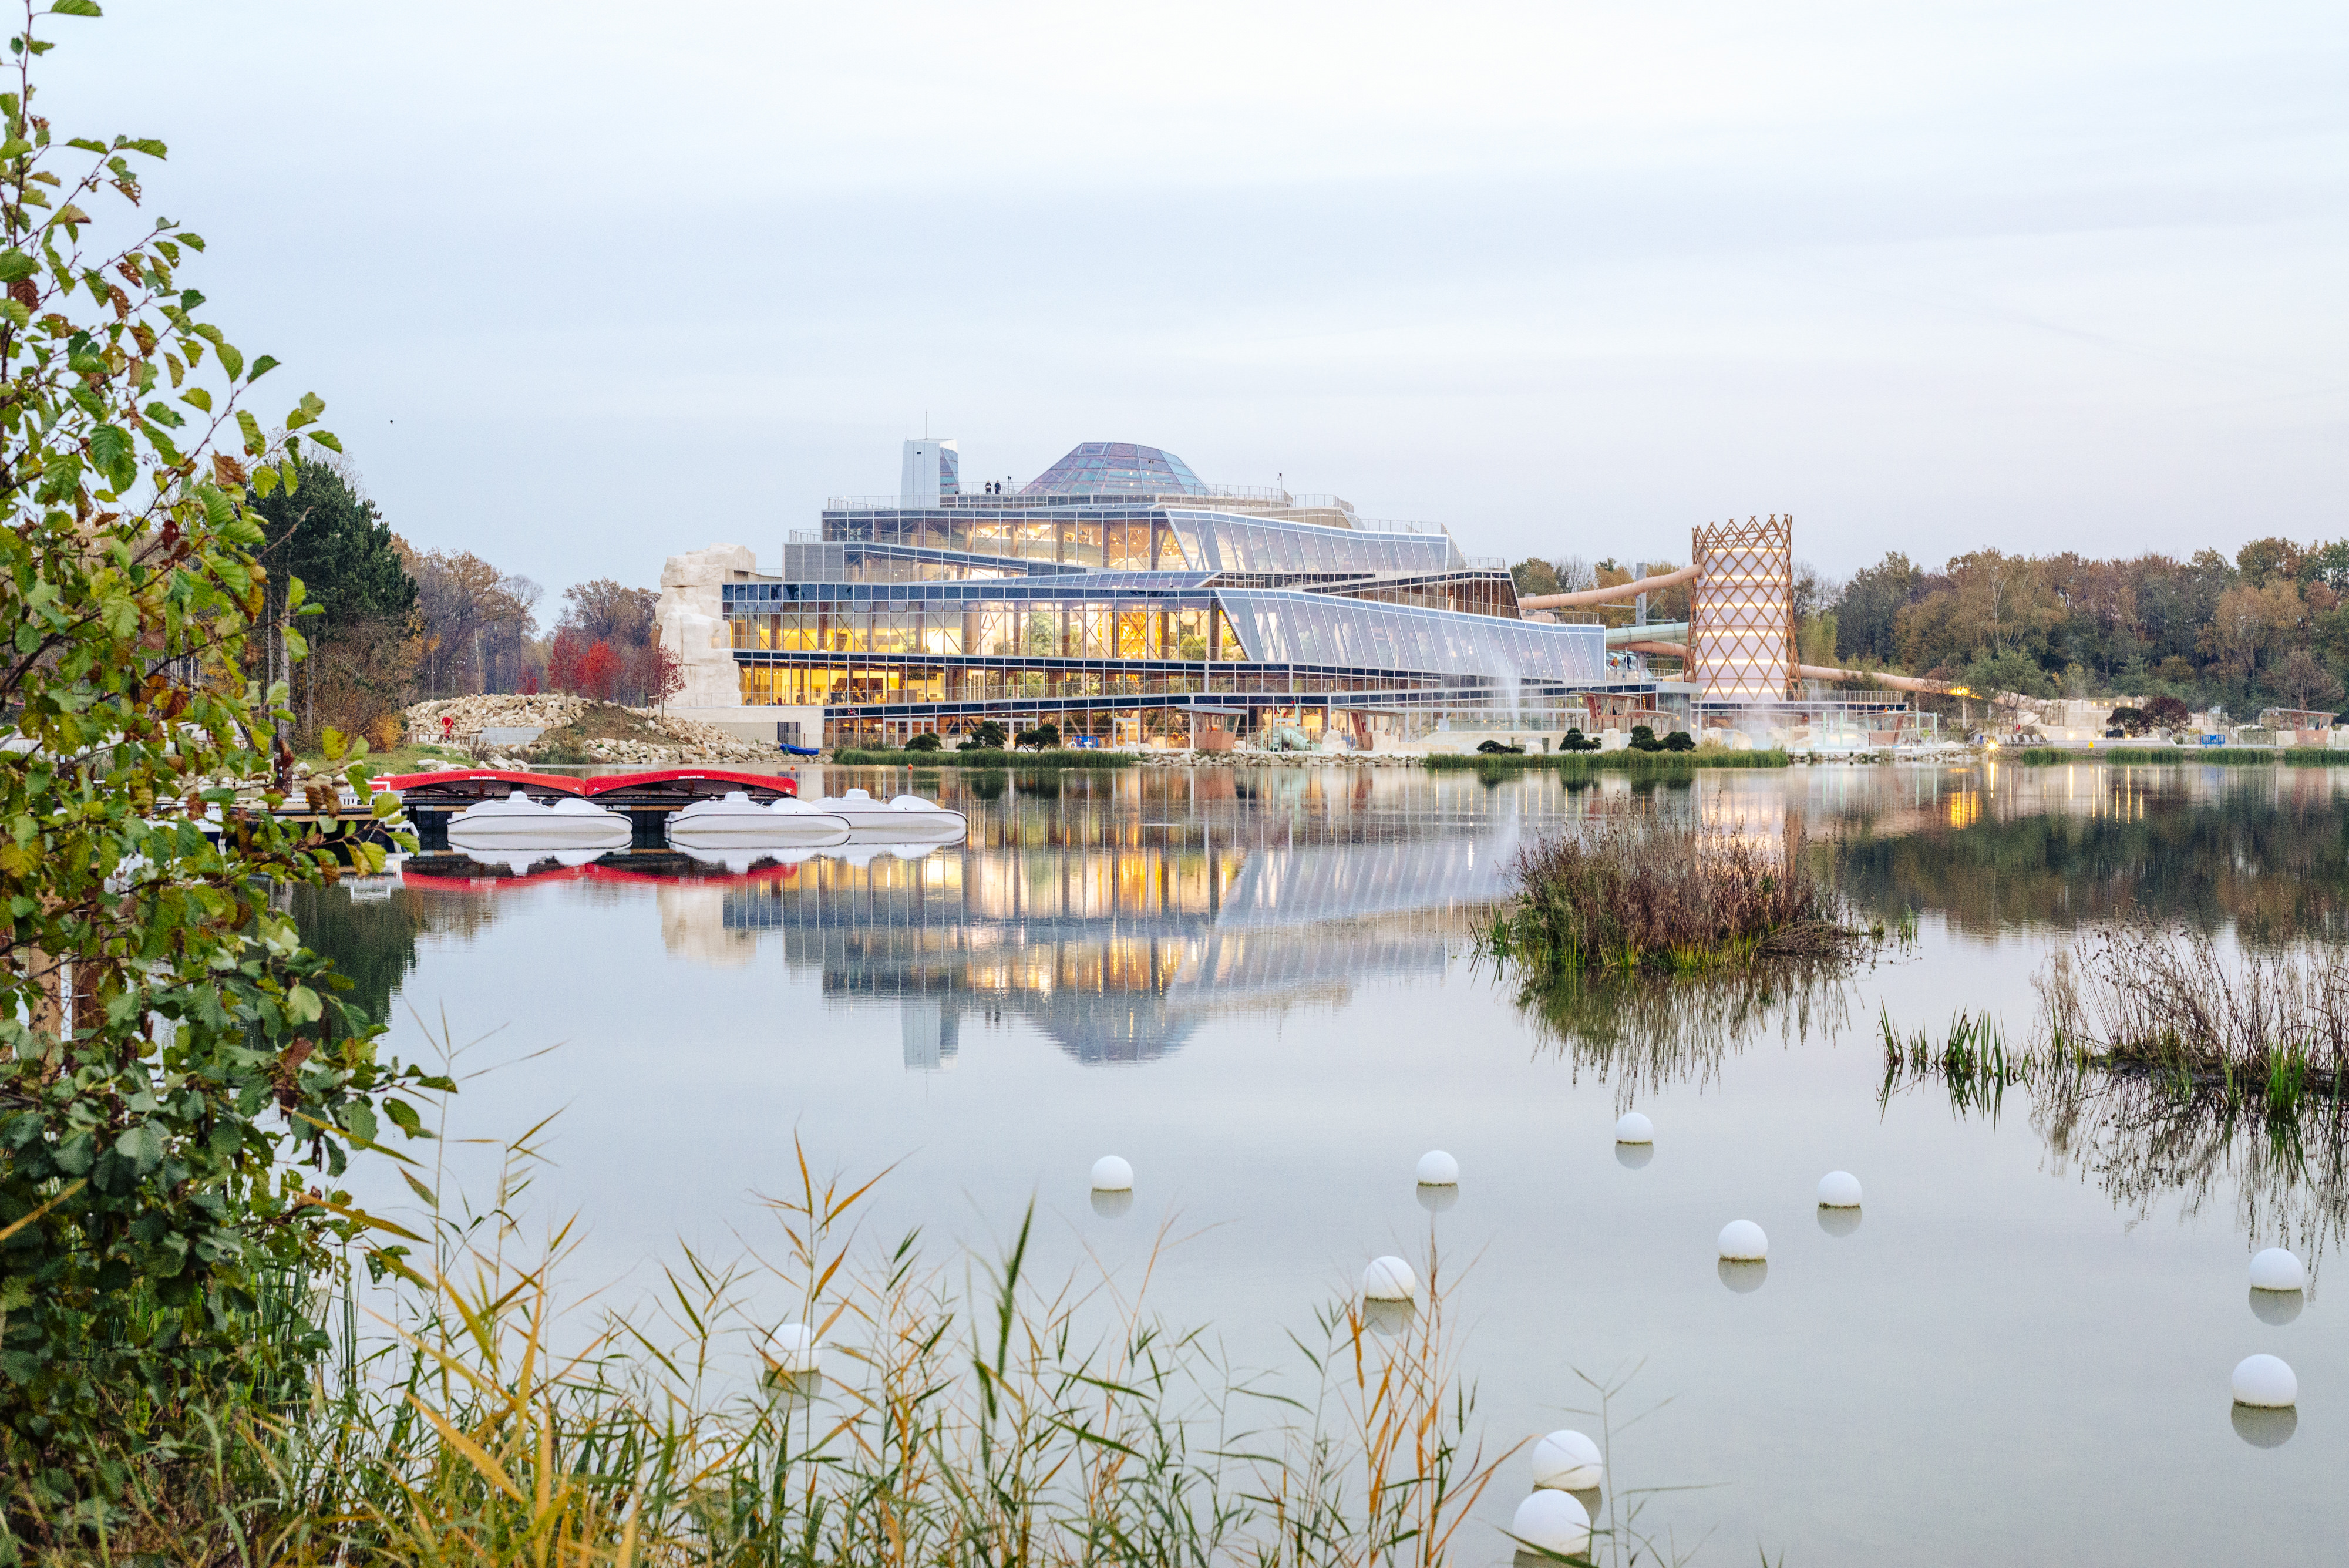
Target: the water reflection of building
(1117, 953)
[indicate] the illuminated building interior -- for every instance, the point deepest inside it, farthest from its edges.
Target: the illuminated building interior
(1120, 599)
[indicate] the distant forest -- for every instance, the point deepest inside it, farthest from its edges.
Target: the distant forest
(2269, 627)
(385, 624)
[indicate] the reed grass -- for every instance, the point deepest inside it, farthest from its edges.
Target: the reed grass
(2263, 1031)
(963, 1418)
(1053, 757)
(2168, 1003)
(1600, 761)
(1643, 897)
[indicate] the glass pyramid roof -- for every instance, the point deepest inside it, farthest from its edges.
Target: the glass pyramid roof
(1116, 468)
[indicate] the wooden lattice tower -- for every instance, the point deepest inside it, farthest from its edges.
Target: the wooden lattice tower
(1741, 636)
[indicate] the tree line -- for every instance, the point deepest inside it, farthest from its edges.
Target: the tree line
(2270, 627)
(383, 624)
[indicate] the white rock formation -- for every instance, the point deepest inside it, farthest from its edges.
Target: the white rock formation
(691, 616)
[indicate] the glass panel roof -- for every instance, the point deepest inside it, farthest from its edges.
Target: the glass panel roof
(1116, 468)
(1283, 626)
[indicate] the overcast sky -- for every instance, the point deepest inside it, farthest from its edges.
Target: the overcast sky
(583, 286)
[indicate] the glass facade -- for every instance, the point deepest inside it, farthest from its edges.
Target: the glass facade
(1116, 468)
(1097, 599)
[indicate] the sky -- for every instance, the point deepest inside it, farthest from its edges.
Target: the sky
(585, 285)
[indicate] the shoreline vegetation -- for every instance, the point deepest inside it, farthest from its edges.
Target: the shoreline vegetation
(2167, 1070)
(1625, 760)
(2266, 1032)
(911, 1412)
(1629, 899)
(2220, 756)
(987, 757)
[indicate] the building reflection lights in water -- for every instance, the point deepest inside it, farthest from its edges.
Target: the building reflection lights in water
(1117, 953)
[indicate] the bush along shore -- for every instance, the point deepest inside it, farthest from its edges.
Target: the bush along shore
(1628, 898)
(2153, 756)
(986, 757)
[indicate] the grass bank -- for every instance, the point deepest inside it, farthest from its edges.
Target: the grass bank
(2146, 756)
(1624, 760)
(410, 757)
(1058, 757)
(1624, 897)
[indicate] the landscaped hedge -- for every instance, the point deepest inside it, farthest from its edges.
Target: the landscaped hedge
(1059, 757)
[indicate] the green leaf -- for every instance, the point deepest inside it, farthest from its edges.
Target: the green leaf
(198, 398)
(263, 366)
(232, 360)
(301, 1005)
(327, 439)
(74, 8)
(147, 144)
(404, 1114)
(250, 427)
(218, 510)
(110, 449)
(15, 265)
(142, 1145)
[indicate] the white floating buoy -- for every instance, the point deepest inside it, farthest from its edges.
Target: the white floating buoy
(1839, 1190)
(1742, 1242)
(796, 1350)
(1635, 1128)
(1553, 1521)
(1437, 1168)
(1111, 1174)
(2277, 1270)
(2265, 1383)
(1389, 1280)
(1567, 1462)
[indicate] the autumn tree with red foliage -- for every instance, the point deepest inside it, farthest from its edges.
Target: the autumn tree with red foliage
(599, 672)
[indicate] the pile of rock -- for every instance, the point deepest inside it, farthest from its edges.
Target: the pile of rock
(681, 742)
(498, 711)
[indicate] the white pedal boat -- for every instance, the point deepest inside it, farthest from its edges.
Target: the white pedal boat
(907, 819)
(519, 821)
(734, 818)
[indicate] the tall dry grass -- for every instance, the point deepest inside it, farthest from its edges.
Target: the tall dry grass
(1631, 895)
(980, 1416)
(2171, 1002)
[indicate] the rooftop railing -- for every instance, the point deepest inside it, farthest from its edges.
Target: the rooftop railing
(1258, 495)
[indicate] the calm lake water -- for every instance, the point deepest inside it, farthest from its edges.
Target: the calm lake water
(1260, 988)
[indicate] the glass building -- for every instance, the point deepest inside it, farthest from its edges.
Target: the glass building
(1120, 599)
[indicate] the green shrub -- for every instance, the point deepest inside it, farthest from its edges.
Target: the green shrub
(178, 1144)
(1679, 741)
(1643, 739)
(924, 742)
(1497, 749)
